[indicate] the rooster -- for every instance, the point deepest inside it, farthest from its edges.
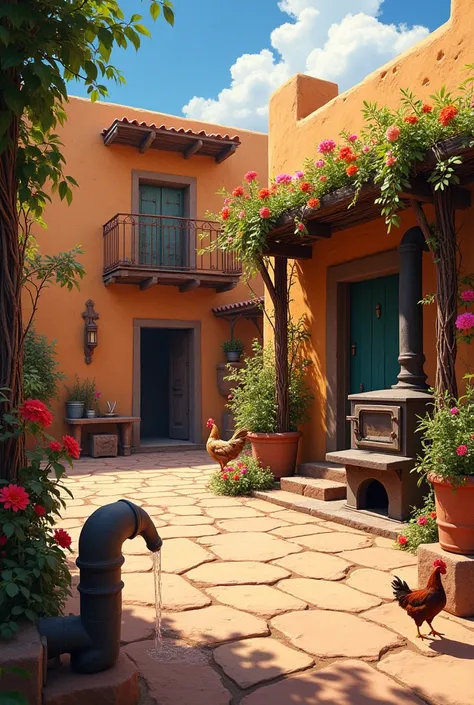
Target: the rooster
(423, 605)
(224, 451)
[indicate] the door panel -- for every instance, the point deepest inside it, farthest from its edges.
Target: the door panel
(161, 241)
(374, 334)
(179, 385)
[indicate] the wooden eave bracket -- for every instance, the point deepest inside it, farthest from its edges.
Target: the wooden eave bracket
(226, 153)
(147, 141)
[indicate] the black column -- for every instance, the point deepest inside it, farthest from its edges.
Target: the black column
(411, 357)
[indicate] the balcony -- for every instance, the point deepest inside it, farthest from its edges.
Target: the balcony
(149, 250)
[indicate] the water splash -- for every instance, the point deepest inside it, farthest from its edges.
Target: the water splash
(158, 600)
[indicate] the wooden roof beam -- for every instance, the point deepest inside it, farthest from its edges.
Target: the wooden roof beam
(192, 149)
(112, 133)
(190, 285)
(226, 153)
(280, 249)
(148, 283)
(147, 141)
(422, 192)
(226, 287)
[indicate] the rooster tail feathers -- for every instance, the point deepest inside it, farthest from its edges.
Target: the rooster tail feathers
(242, 433)
(400, 588)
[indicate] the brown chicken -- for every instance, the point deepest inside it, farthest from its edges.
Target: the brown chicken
(423, 605)
(224, 451)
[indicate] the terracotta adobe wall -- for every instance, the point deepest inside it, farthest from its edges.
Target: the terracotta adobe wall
(305, 111)
(104, 175)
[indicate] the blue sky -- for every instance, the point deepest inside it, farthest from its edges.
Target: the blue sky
(193, 59)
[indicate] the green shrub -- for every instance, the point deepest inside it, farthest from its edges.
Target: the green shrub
(40, 368)
(234, 345)
(82, 391)
(241, 477)
(422, 527)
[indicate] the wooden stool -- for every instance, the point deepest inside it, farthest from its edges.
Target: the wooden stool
(103, 445)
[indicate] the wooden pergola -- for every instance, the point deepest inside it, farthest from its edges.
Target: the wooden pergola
(251, 310)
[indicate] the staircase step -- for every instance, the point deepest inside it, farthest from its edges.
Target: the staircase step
(326, 490)
(323, 470)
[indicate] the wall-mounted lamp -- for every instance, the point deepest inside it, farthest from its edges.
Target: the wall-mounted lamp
(90, 331)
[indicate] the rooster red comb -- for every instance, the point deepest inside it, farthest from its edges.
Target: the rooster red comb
(438, 563)
(210, 423)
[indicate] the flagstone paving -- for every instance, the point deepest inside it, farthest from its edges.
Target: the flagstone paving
(264, 605)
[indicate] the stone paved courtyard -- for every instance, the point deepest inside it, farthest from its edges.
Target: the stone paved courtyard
(263, 605)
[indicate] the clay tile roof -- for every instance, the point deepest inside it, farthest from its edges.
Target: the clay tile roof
(146, 136)
(253, 306)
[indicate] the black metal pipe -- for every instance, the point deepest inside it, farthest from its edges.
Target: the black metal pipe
(93, 639)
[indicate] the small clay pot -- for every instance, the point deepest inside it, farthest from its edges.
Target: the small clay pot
(278, 451)
(455, 514)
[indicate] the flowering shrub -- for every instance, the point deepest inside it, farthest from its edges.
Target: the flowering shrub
(385, 152)
(465, 320)
(241, 477)
(34, 577)
(448, 437)
(422, 527)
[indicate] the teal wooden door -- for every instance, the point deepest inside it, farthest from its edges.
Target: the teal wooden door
(162, 240)
(374, 334)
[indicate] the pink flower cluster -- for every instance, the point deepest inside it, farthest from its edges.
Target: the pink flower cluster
(236, 472)
(465, 321)
(467, 296)
(327, 146)
(284, 179)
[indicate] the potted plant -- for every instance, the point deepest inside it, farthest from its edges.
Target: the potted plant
(80, 398)
(448, 463)
(254, 406)
(233, 349)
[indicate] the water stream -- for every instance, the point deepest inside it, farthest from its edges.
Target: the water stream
(158, 600)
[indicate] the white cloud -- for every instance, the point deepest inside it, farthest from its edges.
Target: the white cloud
(336, 40)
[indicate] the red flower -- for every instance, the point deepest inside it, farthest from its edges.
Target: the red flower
(62, 538)
(301, 227)
(225, 213)
(323, 179)
(40, 511)
(402, 540)
(411, 119)
(448, 114)
(352, 170)
(427, 108)
(236, 477)
(34, 410)
(225, 476)
(462, 450)
(433, 515)
(3, 540)
(421, 521)
(313, 203)
(347, 155)
(264, 193)
(238, 191)
(72, 447)
(250, 176)
(264, 212)
(55, 446)
(306, 187)
(14, 497)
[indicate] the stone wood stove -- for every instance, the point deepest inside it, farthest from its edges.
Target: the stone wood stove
(384, 442)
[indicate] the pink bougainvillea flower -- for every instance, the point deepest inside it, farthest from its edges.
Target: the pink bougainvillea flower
(14, 497)
(55, 446)
(264, 212)
(244, 471)
(72, 447)
(366, 148)
(225, 213)
(241, 215)
(326, 146)
(465, 321)
(402, 540)
(227, 201)
(353, 138)
(37, 412)
(97, 395)
(467, 296)
(454, 411)
(62, 538)
(230, 239)
(319, 163)
(299, 174)
(392, 133)
(39, 510)
(250, 176)
(284, 179)
(462, 450)
(422, 521)
(230, 397)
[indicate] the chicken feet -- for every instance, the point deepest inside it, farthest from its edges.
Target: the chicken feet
(420, 635)
(433, 632)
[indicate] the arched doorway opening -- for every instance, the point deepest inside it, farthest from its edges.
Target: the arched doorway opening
(373, 497)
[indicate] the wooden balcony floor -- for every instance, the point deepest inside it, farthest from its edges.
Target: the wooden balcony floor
(147, 277)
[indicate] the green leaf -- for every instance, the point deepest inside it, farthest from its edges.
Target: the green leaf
(62, 189)
(169, 15)
(11, 589)
(8, 529)
(155, 9)
(141, 29)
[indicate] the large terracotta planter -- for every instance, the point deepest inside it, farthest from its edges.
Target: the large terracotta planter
(277, 451)
(455, 515)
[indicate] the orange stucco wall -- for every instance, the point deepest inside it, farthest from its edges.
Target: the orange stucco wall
(305, 111)
(104, 175)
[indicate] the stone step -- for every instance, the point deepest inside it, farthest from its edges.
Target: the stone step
(314, 488)
(323, 470)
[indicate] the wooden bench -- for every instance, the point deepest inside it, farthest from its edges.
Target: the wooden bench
(124, 425)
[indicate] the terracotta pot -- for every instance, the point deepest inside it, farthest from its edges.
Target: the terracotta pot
(277, 451)
(455, 515)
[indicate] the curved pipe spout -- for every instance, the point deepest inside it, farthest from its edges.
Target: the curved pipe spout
(94, 644)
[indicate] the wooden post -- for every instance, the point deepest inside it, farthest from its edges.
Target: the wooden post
(281, 344)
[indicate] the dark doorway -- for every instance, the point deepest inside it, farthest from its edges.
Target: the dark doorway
(164, 385)
(374, 497)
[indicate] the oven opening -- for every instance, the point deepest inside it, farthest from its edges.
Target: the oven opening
(373, 497)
